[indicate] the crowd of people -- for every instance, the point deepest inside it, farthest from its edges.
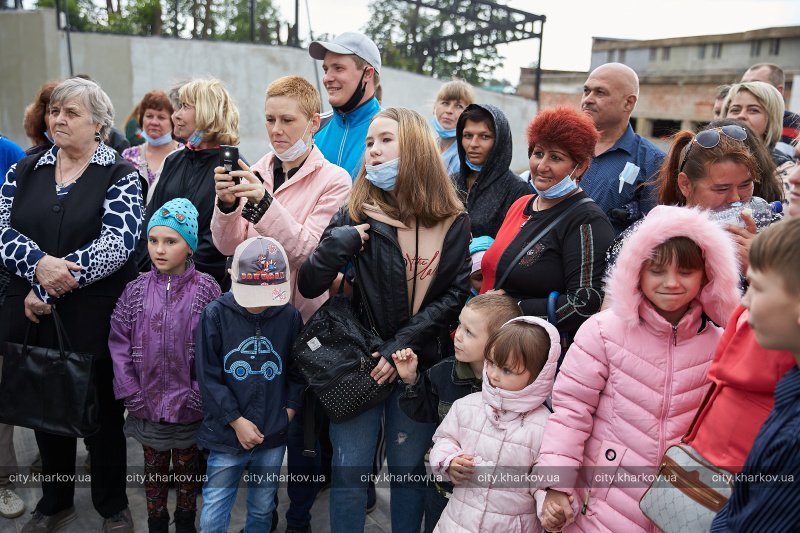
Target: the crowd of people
(574, 325)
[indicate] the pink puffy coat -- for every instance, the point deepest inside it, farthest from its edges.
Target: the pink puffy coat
(503, 431)
(302, 208)
(631, 383)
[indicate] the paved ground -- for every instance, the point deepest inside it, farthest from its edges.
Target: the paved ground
(89, 521)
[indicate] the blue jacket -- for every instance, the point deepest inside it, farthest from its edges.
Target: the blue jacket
(245, 368)
(10, 153)
(341, 139)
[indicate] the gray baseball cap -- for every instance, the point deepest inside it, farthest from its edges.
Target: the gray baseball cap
(260, 273)
(349, 43)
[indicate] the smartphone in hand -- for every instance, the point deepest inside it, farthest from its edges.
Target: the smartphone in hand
(229, 160)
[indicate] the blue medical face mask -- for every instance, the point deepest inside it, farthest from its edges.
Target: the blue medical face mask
(440, 131)
(160, 141)
(196, 138)
(476, 168)
(560, 189)
(384, 175)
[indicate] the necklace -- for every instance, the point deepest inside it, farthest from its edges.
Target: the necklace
(534, 209)
(63, 184)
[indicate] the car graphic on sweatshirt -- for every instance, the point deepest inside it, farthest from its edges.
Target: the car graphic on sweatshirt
(255, 355)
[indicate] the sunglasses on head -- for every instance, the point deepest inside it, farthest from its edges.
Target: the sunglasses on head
(710, 139)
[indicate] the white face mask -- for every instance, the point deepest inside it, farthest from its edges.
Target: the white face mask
(296, 150)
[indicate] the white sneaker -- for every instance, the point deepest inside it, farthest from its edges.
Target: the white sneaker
(11, 505)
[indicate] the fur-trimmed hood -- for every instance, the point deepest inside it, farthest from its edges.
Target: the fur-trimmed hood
(720, 295)
(502, 405)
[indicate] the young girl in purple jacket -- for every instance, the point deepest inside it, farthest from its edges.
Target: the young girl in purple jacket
(152, 344)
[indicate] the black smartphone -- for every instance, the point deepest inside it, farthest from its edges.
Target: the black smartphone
(229, 160)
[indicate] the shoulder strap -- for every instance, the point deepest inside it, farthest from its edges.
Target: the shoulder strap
(700, 409)
(363, 297)
(499, 283)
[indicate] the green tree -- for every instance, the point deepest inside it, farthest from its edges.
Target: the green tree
(196, 19)
(83, 14)
(234, 21)
(398, 27)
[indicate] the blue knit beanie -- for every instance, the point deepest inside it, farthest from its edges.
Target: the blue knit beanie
(178, 214)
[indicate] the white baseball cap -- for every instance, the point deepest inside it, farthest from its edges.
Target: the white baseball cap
(349, 43)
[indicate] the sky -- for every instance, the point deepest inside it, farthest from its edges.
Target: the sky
(571, 24)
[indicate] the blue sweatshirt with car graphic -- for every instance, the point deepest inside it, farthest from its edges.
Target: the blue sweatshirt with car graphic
(245, 369)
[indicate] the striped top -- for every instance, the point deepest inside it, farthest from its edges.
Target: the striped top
(767, 495)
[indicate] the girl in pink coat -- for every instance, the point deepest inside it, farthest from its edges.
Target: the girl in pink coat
(637, 372)
(489, 440)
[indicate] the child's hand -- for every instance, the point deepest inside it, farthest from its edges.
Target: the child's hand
(461, 469)
(557, 510)
(290, 413)
(248, 434)
(405, 361)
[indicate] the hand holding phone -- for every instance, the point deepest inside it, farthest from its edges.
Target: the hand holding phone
(229, 160)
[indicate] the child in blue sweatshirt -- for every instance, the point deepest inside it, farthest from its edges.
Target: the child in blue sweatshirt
(250, 385)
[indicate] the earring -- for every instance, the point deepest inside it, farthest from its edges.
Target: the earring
(97, 136)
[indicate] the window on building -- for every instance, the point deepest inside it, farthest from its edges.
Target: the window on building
(716, 50)
(653, 54)
(774, 47)
(621, 56)
(755, 48)
(610, 56)
(701, 51)
(665, 53)
(663, 129)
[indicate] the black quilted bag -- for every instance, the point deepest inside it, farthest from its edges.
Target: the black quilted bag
(334, 354)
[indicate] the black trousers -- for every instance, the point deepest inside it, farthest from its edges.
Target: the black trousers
(108, 456)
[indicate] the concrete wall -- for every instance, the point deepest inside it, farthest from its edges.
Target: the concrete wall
(128, 67)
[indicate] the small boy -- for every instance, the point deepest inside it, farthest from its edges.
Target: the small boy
(250, 385)
(766, 497)
(428, 396)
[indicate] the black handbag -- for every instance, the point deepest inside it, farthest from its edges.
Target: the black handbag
(48, 389)
(334, 354)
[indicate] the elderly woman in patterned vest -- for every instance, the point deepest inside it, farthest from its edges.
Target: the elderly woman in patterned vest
(69, 221)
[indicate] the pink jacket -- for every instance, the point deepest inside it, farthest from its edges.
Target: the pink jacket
(302, 208)
(631, 383)
(503, 431)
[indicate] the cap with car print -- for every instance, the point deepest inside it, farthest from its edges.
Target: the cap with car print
(260, 273)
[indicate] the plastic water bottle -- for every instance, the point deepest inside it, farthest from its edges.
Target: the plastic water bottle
(761, 211)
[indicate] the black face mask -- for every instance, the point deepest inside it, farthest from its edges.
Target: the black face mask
(352, 103)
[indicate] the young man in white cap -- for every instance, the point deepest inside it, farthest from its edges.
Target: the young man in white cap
(250, 386)
(352, 65)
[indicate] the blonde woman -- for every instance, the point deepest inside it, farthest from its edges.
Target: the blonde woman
(760, 106)
(408, 228)
(206, 118)
(451, 100)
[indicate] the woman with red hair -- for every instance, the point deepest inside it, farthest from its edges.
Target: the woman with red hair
(155, 115)
(551, 246)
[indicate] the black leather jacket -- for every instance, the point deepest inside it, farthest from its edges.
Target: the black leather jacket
(382, 281)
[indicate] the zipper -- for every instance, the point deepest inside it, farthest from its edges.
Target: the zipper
(344, 137)
(165, 348)
(689, 483)
(667, 393)
(469, 189)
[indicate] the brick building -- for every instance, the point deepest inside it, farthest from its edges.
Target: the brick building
(678, 76)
